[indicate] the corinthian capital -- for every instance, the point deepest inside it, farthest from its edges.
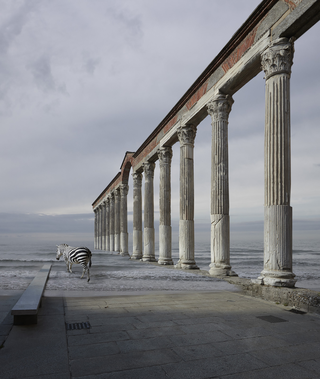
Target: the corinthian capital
(148, 169)
(137, 179)
(165, 155)
(220, 106)
(124, 189)
(117, 193)
(187, 134)
(278, 58)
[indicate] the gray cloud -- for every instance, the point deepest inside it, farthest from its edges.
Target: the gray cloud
(90, 64)
(42, 75)
(127, 21)
(14, 18)
(83, 82)
(13, 23)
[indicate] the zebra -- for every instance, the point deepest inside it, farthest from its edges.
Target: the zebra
(80, 255)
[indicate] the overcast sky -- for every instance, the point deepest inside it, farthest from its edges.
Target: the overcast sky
(84, 81)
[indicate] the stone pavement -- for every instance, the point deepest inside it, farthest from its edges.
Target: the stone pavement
(220, 334)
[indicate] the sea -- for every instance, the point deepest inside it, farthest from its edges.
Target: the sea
(20, 260)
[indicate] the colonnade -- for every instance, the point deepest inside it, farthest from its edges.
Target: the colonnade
(111, 225)
(111, 214)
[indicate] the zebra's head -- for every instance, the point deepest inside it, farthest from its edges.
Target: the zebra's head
(60, 250)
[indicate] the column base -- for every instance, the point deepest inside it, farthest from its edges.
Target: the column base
(136, 256)
(221, 271)
(165, 261)
(148, 259)
(125, 254)
(276, 279)
(186, 265)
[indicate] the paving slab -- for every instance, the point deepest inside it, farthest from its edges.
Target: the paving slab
(6, 320)
(39, 349)
(220, 334)
(292, 371)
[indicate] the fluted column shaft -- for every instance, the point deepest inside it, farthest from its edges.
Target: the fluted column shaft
(103, 226)
(95, 228)
(112, 221)
(99, 227)
(219, 109)
(137, 216)
(124, 188)
(117, 220)
(276, 63)
(97, 231)
(108, 224)
(186, 135)
(149, 247)
(165, 232)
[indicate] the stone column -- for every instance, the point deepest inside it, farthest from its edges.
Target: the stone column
(137, 216)
(276, 62)
(148, 253)
(111, 221)
(95, 228)
(219, 108)
(124, 188)
(186, 135)
(108, 223)
(117, 220)
(165, 156)
(103, 226)
(99, 228)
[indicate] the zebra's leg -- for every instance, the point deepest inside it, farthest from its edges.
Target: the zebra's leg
(70, 266)
(83, 271)
(67, 263)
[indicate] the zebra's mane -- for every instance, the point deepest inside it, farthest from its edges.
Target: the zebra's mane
(65, 247)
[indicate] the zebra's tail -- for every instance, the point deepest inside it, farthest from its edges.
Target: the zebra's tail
(90, 259)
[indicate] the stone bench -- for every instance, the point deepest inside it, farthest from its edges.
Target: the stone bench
(26, 309)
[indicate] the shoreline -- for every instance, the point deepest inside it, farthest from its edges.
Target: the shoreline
(124, 277)
(118, 264)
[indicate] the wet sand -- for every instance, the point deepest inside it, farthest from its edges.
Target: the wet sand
(120, 276)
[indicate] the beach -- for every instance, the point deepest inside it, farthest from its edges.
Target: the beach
(113, 273)
(119, 274)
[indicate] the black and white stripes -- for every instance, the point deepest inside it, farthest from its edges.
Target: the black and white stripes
(79, 255)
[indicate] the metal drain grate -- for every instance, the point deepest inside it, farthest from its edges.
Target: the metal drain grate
(271, 319)
(78, 325)
(297, 311)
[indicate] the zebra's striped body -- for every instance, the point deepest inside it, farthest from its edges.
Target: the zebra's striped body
(79, 255)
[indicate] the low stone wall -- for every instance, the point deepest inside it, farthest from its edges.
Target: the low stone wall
(298, 298)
